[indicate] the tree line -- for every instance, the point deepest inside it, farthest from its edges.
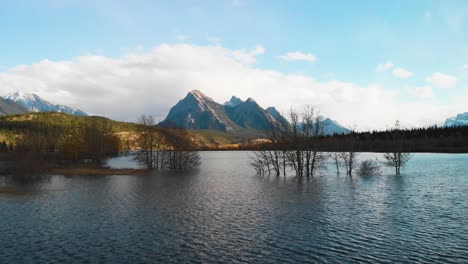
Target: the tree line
(428, 139)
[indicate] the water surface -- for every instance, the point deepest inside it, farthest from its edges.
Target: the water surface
(223, 212)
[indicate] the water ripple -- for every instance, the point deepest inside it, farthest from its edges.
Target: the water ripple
(223, 213)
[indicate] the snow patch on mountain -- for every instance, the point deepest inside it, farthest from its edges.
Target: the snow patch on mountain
(34, 103)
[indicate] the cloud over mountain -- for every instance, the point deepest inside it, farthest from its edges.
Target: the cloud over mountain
(152, 81)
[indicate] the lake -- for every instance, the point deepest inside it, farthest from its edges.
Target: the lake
(223, 212)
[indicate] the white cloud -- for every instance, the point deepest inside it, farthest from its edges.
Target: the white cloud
(384, 66)
(442, 80)
(465, 68)
(249, 56)
(402, 73)
(153, 81)
(259, 49)
(298, 56)
(424, 92)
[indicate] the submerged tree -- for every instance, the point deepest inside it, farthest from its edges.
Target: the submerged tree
(293, 147)
(336, 158)
(350, 157)
(164, 147)
(368, 168)
(350, 161)
(268, 162)
(181, 154)
(397, 159)
(151, 143)
(312, 127)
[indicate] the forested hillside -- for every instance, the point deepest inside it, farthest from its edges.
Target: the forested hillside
(55, 128)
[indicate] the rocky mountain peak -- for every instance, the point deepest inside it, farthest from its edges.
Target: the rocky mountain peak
(250, 100)
(198, 95)
(234, 101)
(197, 111)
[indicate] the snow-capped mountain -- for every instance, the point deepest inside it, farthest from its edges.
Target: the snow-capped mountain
(34, 103)
(459, 120)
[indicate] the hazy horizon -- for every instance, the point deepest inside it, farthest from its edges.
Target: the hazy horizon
(363, 64)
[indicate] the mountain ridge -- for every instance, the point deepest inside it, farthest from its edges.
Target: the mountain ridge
(458, 120)
(200, 112)
(35, 103)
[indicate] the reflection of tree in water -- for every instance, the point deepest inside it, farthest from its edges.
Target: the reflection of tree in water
(24, 171)
(28, 179)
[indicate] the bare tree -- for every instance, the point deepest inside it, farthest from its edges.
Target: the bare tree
(335, 156)
(295, 155)
(294, 147)
(397, 159)
(268, 161)
(350, 157)
(350, 161)
(257, 162)
(151, 143)
(312, 127)
(180, 154)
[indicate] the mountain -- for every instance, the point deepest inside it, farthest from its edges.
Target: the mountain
(34, 103)
(235, 101)
(331, 127)
(198, 111)
(250, 115)
(459, 120)
(277, 116)
(9, 107)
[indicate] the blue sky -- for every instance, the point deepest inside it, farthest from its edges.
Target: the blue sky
(348, 39)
